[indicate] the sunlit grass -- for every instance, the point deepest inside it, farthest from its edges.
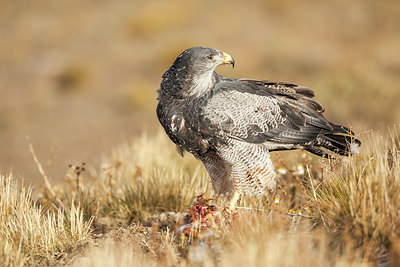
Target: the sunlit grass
(139, 180)
(332, 213)
(360, 202)
(30, 235)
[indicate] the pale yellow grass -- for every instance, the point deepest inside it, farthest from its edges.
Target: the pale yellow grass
(353, 218)
(31, 236)
(340, 213)
(360, 202)
(139, 180)
(119, 250)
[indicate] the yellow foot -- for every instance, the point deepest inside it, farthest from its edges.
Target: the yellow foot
(233, 201)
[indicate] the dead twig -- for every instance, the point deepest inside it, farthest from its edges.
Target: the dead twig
(39, 166)
(43, 173)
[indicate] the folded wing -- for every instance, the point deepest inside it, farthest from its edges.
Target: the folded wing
(281, 115)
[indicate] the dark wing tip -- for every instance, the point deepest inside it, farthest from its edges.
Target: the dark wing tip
(307, 92)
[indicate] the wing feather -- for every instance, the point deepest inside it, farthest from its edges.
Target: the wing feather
(260, 111)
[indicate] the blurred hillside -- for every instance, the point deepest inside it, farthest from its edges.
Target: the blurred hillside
(80, 77)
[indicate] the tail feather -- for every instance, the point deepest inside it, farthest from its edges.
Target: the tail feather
(341, 140)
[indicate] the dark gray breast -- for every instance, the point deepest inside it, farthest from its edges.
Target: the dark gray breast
(180, 119)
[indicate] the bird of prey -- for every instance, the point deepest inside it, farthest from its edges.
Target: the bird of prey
(231, 125)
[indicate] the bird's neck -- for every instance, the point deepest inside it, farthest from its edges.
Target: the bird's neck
(201, 84)
(186, 85)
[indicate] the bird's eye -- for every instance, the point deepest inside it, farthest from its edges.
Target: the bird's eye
(210, 57)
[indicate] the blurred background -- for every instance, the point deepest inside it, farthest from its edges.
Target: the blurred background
(80, 77)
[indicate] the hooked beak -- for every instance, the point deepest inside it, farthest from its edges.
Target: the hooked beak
(228, 59)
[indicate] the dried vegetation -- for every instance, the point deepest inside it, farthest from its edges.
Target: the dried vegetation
(133, 210)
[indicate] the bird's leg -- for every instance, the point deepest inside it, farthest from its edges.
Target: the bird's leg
(233, 201)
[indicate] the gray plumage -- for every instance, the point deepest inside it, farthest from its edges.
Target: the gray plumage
(232, 124)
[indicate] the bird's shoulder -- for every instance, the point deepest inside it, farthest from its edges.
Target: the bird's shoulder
(282, 91)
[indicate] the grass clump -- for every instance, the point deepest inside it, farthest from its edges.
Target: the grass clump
(343, 212)
(31, 236)
(138, 181)
(360, 202)
(148, 179)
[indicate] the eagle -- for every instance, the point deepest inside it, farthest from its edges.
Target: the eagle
(231, 125)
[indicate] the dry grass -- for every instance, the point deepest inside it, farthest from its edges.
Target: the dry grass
(337, 213)
(136, 182)
(31, 236)
(359, 203)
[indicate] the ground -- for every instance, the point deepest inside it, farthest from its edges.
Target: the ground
(143, 206)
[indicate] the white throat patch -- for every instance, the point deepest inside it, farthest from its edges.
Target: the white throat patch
(201, 84)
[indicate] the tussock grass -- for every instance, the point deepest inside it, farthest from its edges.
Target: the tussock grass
(275, 240)
(114, 254)
(360, 202)
(343, 213)
(117, 249)
(138, 181)
(149, 178)
(333, 213)
(31, 236)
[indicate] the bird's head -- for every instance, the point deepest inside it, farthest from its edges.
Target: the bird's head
(193, 71)
(203, 59)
